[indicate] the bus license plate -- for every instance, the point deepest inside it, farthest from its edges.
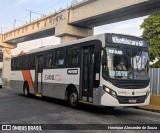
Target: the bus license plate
(132, 101)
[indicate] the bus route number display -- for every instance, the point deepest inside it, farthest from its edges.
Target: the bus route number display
(118, 73)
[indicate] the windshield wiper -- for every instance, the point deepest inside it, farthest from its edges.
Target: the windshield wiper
(137, 60)
(139, 53)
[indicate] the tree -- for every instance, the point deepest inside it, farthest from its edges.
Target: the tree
(151, 33)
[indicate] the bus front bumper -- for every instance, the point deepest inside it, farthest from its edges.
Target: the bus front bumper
(109, 100)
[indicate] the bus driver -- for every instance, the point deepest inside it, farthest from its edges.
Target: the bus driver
(121, 66)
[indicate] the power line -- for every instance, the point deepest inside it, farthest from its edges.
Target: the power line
(15, 21)
(4, 29)
(30, 14)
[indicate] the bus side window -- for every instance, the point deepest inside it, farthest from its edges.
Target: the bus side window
(69, 58)
(59, 58)
(53, 59)
(19, 63)
(31, 61)
(49, 59)
(41, 63)
(25, 62)
(73, 57)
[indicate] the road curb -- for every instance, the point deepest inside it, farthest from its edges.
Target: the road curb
(154, 104)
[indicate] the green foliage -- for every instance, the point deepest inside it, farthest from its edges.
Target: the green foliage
(156, 65)
(151, 33)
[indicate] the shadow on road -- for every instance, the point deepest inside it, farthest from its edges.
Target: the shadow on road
(118, 111)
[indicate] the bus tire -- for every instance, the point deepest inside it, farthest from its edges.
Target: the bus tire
(73, 98)
(26, 89)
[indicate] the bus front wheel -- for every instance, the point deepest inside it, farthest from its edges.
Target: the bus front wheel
(73, 98)
(26, 89)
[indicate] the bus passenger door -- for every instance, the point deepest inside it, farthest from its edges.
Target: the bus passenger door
(88, 74)
(39, 73)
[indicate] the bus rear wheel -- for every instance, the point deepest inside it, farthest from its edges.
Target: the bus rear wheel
(26, 89)
(73, 98)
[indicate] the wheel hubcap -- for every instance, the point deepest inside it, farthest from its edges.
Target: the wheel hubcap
(73, 98)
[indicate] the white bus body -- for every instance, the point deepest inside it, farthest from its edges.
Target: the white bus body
(85, 71)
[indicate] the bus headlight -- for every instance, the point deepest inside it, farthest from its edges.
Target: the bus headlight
(107, 90)
(110, 91)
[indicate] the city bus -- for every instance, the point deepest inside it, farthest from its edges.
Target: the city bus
(104, 70)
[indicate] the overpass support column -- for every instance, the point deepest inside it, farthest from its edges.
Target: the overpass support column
(72, 33)
(6, 70)
(69, 32)
(6, 67)
(67, 38)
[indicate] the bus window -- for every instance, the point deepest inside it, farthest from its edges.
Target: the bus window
(73, 57)
(41, 63)
(59, 58)
(19, 63)
(31, 64)
(49, 59)
(25, 62)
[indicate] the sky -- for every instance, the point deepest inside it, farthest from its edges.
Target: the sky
(15, 9)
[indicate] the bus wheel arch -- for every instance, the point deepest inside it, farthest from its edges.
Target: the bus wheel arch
(26, 89)
(72, 95)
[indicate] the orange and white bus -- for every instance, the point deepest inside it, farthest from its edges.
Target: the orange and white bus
(105, 70)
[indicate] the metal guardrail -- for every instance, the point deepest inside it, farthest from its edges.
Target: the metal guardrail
(154, 74)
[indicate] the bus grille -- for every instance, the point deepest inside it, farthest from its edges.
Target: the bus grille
(128, 100)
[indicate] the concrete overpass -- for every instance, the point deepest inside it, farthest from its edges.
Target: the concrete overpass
(78, 21)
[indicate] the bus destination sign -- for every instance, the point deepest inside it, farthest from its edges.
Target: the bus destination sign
(128, 40)
(121, 40)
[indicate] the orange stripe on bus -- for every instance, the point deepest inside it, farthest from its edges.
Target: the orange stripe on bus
(27, 74)
(27, 77)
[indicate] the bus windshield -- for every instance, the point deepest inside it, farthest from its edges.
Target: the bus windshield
(127, 64)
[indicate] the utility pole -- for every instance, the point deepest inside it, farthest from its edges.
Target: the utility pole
(16, 21)
(30, 14)
(14, 25)
(1, 30)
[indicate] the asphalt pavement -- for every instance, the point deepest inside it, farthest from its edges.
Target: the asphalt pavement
(15, 108)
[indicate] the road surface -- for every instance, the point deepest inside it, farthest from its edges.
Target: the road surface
(18, 109)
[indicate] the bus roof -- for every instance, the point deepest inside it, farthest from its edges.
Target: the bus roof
(100, 37)
(44, 48)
